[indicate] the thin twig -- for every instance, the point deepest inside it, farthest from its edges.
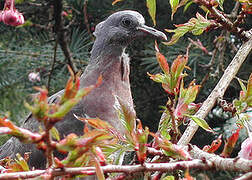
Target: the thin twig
(61, 34)
(53, 63)
(86, 19)
(234, 12)
(218, 91)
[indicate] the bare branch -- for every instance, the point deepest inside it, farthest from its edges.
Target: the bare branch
(230, 164)
(209, 161)
(246, 176)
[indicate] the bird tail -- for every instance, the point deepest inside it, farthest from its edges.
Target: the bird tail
(7, 148)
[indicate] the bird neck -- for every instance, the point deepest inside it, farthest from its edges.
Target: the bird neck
(108, 60)
(103, 48)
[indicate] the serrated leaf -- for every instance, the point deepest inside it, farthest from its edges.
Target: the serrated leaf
(151, 5)
(126, 114)
(191, 94)
(165, 126)
(201, 122)
(55, 133)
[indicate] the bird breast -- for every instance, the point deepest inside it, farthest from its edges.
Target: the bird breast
(100, 102)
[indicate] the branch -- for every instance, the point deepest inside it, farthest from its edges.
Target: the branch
(59, 29)
(225, 22)
(209, 161)
(86, 19)
(246, 176)
(230, 164)
(163, 167)
(218, 91)
(52, 66)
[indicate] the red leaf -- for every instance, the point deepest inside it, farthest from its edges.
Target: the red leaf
(214, 146)
(43, 94)
(4, 122)
(162, 62)
(101, 156)
(178, 65)
(181, 109)
(229, 145)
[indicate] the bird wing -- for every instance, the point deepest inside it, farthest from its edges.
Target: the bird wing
(52, 99)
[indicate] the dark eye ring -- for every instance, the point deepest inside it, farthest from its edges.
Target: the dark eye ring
(126, 22)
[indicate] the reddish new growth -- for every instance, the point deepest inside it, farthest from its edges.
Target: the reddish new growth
(11, 16)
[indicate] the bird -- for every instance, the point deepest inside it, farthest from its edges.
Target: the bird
(108, 59)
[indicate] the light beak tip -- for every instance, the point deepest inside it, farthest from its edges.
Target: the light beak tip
(154, 32)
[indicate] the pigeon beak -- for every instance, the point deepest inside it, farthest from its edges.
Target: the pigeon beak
(151, 31)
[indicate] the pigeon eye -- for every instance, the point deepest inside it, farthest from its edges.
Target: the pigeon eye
(126, 22)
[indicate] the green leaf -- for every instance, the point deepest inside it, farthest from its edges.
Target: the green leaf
(168, 178)
(174, 5)
(64, 109)
(19, 1)
(201, 122)
(126, 114)
(191, 93)
(21, 161)
(160, 78)
(55, 133)
(220, 2)
(151, 4)
(195, 25)
(165, 126)
(188, 5)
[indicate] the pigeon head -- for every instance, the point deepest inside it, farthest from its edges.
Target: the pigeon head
(120, 28)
